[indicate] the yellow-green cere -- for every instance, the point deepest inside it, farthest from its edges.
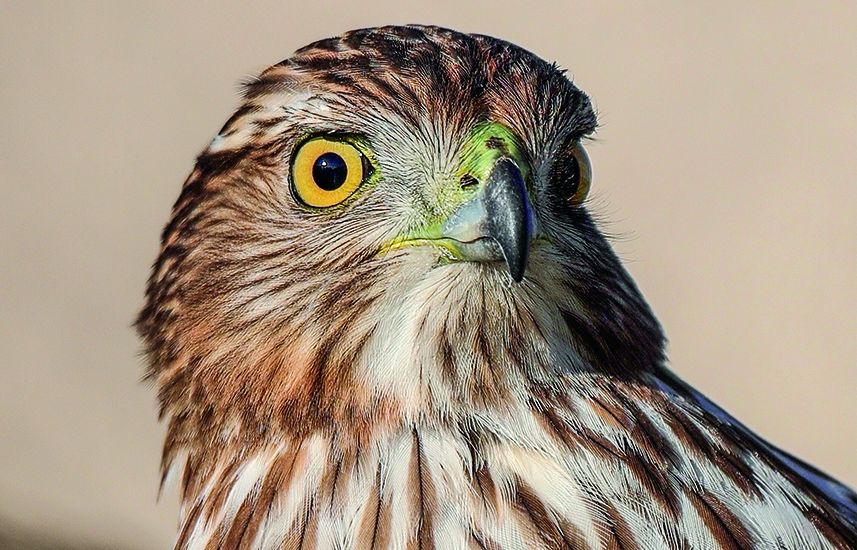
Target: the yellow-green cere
(486, 144)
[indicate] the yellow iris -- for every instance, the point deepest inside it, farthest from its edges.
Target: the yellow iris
(325, 172)
(585, 173)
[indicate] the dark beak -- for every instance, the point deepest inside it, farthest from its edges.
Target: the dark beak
(498, 222)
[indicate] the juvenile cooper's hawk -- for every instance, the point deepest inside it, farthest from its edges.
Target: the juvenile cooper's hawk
(383, 318)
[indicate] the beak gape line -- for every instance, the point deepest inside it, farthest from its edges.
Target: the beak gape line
(498, 223)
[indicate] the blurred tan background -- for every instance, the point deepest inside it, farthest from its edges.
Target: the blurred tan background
(726, 164)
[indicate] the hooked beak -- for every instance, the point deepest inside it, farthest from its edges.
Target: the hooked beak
(496, 224)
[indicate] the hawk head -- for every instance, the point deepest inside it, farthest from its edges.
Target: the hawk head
(389, 208)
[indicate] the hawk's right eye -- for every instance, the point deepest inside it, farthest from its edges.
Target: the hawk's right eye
(325, 172)
(572, 174)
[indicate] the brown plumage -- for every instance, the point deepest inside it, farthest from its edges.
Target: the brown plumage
(359, 375)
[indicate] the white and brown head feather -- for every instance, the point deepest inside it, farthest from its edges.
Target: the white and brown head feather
(321, 394)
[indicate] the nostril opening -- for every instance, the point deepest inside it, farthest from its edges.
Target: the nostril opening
(467, 181)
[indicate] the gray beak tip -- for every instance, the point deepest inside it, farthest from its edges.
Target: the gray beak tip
(510, 216)
(517, 274)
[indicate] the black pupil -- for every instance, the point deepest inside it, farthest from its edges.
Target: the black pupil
(568, 177)
(329, 171)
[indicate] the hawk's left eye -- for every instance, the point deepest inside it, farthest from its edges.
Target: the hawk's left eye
(572, 174)
(325, 171)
